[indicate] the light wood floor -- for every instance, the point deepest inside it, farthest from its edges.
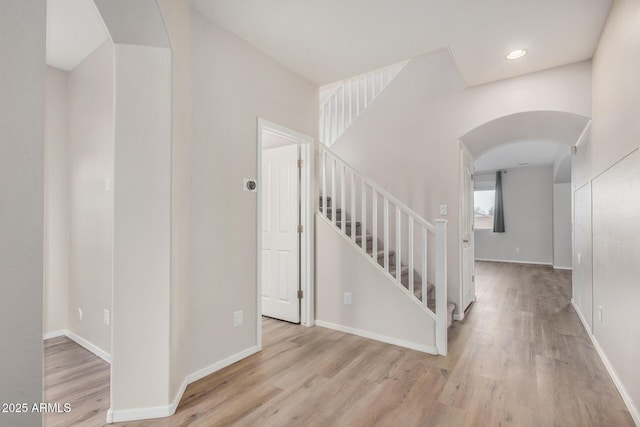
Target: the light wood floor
(520, 357)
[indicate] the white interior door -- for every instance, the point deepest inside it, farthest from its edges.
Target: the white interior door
(468, 256)
(280, 238)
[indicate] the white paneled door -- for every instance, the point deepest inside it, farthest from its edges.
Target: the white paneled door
(280, 238)
(468, 257)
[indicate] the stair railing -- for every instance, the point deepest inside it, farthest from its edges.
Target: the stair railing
(350, 98)
(352, 203)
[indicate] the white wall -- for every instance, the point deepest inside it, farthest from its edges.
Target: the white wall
(90, 161)
(562, 238)
(379, 309)
(142, 237)
(582, 277)
(177, 15)
(615, 94)
(22, 89)
(615, 132)
(616, 270)
(528, 219)
(407, 140)
(232, 85)
(56, 258)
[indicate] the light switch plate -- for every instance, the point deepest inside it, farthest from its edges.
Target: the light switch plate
(347, 298)
(443, 209)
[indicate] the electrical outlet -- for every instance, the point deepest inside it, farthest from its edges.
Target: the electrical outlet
(347, 298)
(108, 184)
(106, 317)
(80, 315)
(237, 318)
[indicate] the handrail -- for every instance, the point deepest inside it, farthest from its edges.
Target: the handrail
(381, 190)
(334, 169)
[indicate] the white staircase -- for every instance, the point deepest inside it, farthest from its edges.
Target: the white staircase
(350, 98)
(406, 248)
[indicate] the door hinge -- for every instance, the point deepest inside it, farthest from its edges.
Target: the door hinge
(300, 163)
(300, 294)
(300, 228)
(473, 278)
(472, 177)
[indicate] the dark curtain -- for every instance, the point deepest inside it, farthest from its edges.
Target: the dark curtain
(498, 210)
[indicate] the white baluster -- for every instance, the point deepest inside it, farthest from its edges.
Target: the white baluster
(398, 244)
(425, 299)
(350, 102)
(374, 223)
(441, 286)
(324, 183)
(333, 190)
(365, 101)
(385, 239)
(410, 253)
(357, 96)
(321, 130)
(343, 217)
(353, 206)
(334, 119)
(342, 110)
(363, 226)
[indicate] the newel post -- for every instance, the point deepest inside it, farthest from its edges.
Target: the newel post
(441, 286)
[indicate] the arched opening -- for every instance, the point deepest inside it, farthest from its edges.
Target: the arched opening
(532, 152)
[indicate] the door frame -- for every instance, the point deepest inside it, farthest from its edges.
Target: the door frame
(306, 154)
(464, 152)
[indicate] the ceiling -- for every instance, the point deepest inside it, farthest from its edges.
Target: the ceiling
(330, 40)
(74, 30)
(519, 154)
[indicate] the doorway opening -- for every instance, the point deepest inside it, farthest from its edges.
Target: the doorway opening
(284, 225)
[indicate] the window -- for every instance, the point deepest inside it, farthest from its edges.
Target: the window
(483, 206)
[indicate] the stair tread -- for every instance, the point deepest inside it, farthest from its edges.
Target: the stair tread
(380, 252)
(403, 268)
(368, 236)
(348, 223)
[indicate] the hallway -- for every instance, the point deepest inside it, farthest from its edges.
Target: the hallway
(520, 357)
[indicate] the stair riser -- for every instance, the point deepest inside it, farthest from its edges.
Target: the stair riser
(321, 202)
(348, 228)
(338, 216)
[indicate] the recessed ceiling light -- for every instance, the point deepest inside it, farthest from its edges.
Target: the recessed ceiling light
(516, 54)
(523, 164)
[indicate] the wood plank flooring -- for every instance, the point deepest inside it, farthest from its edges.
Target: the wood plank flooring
(76, 376)
(520, 357)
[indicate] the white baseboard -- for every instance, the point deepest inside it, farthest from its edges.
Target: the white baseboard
(168, 410)
(89, 346)
(373, 336)
(138, 414)
(513, 261)
(54, 334)
(221, 364)
(559, 267)
(635, 414)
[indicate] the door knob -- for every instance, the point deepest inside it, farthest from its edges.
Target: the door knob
(465, 241)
